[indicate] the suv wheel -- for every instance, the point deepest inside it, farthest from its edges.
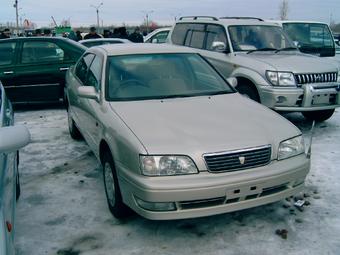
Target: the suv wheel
(248, 91)
(72, 128)
(318, 115)
(112, 190)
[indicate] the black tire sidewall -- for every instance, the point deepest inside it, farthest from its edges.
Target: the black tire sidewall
(119, 209)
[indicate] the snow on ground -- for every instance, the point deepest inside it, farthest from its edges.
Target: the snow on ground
(63, 209)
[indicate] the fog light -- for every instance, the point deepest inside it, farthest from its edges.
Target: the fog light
(281, 99)
(156, 206)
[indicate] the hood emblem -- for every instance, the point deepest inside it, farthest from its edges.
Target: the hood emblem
(242, 160)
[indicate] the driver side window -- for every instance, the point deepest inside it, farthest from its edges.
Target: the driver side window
(83, 66)
(94, 73)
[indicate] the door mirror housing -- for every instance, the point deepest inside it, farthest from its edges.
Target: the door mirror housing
(154, 40)
(219, 46)
(232, 81)
(88, 92)
(13, 138)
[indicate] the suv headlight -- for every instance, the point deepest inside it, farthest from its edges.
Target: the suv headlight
(281, 78)
(167, 165)
(291, 147)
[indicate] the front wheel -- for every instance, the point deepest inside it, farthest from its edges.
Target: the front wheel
(318, 116)
(112, 190)
(248, 91)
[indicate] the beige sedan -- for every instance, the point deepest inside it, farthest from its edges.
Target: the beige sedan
(174, 138)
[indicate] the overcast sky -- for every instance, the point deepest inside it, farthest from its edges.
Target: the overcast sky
(131, 11)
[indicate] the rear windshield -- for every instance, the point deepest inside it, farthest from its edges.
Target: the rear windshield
(159, 76)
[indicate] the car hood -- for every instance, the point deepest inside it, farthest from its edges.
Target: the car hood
(295, 62)
(199, 125)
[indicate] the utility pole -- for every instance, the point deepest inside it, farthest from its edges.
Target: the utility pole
(16, 14)
(97, 11)
(147, 13)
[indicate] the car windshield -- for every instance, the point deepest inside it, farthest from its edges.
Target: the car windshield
(161, 76)
(311, 37)
(254, 38)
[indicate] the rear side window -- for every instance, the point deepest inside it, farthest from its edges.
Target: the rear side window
(83, 66)
(179, 33)
(37, 52)
(7, 53)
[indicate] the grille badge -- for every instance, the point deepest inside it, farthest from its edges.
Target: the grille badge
(242, 160)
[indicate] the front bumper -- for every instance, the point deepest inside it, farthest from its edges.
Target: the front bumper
(207, 193)
(309, 97)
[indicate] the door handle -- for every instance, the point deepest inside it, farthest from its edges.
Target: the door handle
(63, 69)
(8, 72)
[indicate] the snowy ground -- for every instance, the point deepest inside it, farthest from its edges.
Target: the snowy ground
(63, 209)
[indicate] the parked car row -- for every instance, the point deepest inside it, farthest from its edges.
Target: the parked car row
(175, 138)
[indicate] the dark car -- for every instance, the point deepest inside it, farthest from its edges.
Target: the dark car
(32, 69)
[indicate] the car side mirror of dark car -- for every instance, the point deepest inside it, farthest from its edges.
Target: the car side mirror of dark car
(88, 92)
(13, 138)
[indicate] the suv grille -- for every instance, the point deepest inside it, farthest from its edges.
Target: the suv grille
(315, 78)
(238, 160)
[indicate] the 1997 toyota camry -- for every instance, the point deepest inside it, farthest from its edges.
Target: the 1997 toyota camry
(175, 140)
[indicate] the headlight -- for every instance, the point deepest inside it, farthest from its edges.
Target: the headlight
(281, 78)
(167, 165)
(291, 147)
(338, 77)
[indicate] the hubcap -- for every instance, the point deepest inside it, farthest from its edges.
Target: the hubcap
(109, 184)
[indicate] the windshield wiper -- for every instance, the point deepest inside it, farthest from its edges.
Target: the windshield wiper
(285, 49)
(173, 96)
(261, 49)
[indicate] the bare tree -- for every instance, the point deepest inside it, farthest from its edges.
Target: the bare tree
(283, 10)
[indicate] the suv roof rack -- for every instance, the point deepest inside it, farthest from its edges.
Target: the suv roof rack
(259, 19)
(197, 17)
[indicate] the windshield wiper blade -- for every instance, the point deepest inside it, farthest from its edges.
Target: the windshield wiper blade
(285, 49)
(261, 49)
(174, 96)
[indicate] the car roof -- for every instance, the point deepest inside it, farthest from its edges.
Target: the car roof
(45, 38)
(140, 48)
(227, 21)
(296, 21)
(106, 40)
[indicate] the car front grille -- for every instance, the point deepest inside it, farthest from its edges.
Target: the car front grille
(238, 160)
(316, 78)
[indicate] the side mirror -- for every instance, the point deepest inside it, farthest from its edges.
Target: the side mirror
(154, 40)
(232, 81)
(219, 46)
(88, 92)
(13, 138)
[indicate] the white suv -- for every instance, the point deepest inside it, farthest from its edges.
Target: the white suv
(268, 66)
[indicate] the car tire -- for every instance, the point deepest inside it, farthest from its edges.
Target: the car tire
(248, 91)
(72, 128)
(318, 116)
(112, 190)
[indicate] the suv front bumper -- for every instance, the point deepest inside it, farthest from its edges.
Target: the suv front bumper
(207, 193)
(309, 97)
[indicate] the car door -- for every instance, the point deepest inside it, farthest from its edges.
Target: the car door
(78, 77)
(7, 61)
(39, 73)
(90, 108)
